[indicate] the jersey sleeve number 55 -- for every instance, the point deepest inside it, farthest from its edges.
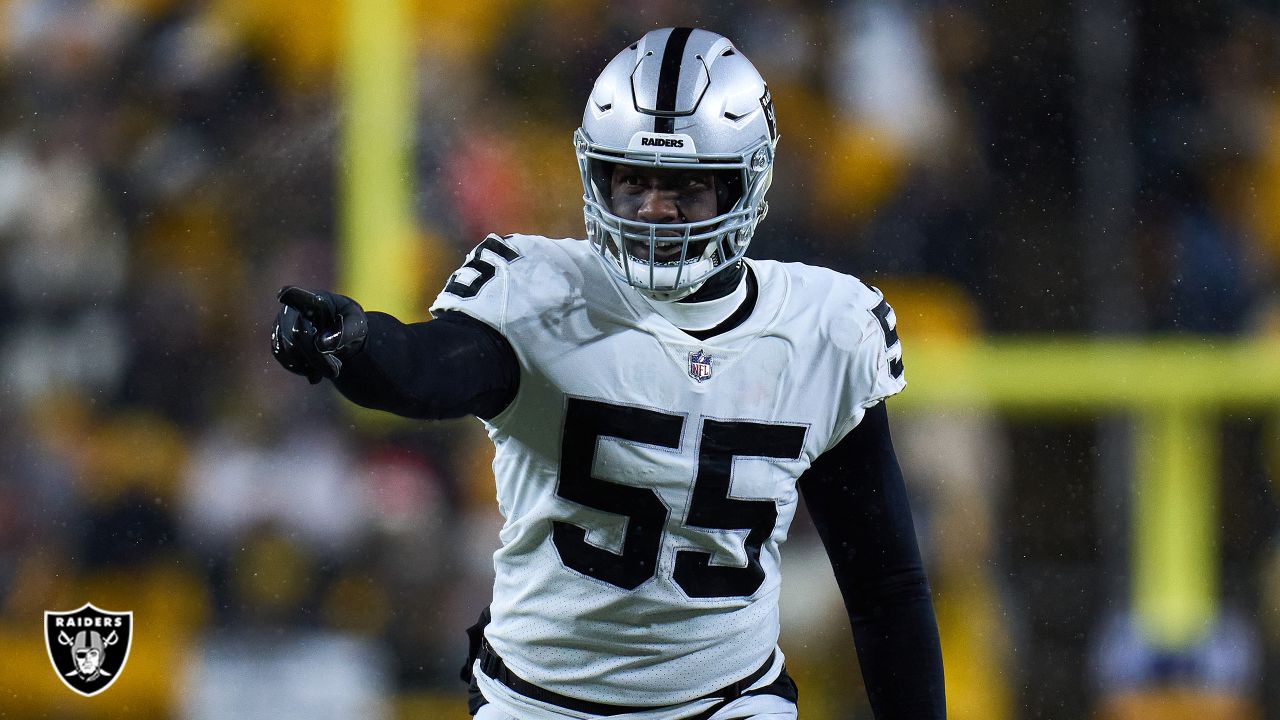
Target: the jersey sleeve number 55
(483, 269)
(586, 421)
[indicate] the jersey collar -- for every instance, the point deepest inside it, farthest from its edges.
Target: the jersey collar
(705, 315)
(774, 288)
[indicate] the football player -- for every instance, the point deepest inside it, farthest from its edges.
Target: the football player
(658, 402)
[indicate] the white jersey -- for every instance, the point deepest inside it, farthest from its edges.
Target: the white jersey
(648, 478)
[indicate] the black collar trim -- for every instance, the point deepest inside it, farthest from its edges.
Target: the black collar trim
(738, 317)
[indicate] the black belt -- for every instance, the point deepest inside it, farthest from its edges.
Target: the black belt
(491, 665)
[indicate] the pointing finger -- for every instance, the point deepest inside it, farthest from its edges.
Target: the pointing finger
(316, 307)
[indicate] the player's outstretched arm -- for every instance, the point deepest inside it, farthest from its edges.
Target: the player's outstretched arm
(858, 501)
(449, 367)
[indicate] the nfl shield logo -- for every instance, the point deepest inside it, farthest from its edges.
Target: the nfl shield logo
(699, 366)
(88, 647)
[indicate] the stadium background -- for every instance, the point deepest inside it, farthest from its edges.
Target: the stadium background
(1075, 208)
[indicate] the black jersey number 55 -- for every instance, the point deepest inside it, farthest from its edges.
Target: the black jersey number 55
(484, 269)
(586, 421)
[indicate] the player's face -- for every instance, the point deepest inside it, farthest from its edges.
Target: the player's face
(660, 196)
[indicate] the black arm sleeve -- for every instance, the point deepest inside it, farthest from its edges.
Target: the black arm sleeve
(449, 367)
(858, 502)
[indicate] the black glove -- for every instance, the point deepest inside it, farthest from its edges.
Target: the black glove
(316, 331)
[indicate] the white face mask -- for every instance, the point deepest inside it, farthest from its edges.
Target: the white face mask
(661, 281)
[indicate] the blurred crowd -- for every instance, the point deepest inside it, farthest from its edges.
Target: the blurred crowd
(167, 165)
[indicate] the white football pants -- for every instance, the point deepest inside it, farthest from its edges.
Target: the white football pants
(751, 707)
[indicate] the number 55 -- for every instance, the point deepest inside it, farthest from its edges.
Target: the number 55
(711, 508)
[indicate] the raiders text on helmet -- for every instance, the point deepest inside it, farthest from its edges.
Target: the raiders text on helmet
(677, 98)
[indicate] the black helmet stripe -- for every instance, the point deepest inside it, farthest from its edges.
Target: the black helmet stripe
(669, 79)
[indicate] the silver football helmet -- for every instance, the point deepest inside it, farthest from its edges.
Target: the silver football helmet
(677, 98)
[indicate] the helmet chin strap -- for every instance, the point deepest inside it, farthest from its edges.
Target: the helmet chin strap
(713, 288)
(667, 296)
